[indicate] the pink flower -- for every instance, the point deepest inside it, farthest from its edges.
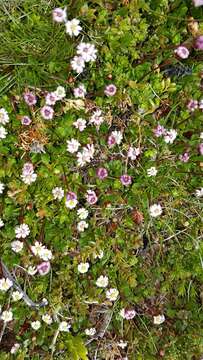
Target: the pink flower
(182, 52)
(51, 98)
(91, 197)
(26, 120)
(47, 112)
(197, 3)
(30, 98)
(159, 131)
(199, 42)
(44, 268)
(111, 140)
(184, 157)
(59, 15)
(102, 173)
(71, 196)
(80, 91)
(28, 168)
(110, 90)
(192, 105)
(126, 179)
(128, 314)
(201, 149)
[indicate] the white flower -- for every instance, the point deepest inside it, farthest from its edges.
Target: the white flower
(170, 136)
(15, 348)
(64, 326)
(17, 246)
(82, 213)
(90, 332)
(133, 153)
(37, 248)
(36, 324)
(3, 132)
(86, 155)
(102, 281)
(201, 135)
(78, 64)
(45, 254)
(122, 344)
(152, 171)
(96, 118)
(98, 255)
(7, 316)
(32, 270)
(112, 294)
(72, 146)
(4, 118)
(82, 225)
(80, 91)
(80, 124)
(58, 193)
(5, 284)
(22, 231)
(83, 267)
(2, 187)
(73, 27)
(47, 319)
(71, 204)
(1, 223)
(199, 192)
(16, 295)
(155, 210)
(159, 319)
(87, 51)
(29, 178)
(118, 136)
(60, 92)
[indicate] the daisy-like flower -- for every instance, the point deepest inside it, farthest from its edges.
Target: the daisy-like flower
(15, 348)
(87, 51)
(3, 132)
(155, 210)
(182, 52)
(133, 152)
(199, 192)
(2, 187)
(82, 213)
(115, 138)
(44, 268)
(170, 136)
(28, 168)
(17, 246)
(80, 91)
(72, 146)
(127, 314)
(47, 319)
(22, 231)
(59, 15)
(184, 157)
(36, 325)
(102, 173)
(198, 3)
(1, 223)
(30, 98)
(90, 332)
(51, 98)
(78, 64)
(83, 267)
(64, 326)
(58, 193)
(159, 130)
(91, 197)
(26, 120)
(4, 118)
(126, 180)
(96, 118)
(159, 319)
(192, 105)
(6, 316)
(110, 90)
(152, 171)
(60, 92)
(71, 200)
(5, 284)
(32, 270)
(122, 344)
(80, 124)
(112, 294)
(98, 255)
(102, 281)
(17, 295)
(45, 254)
(47, 112)
(82, 225)
(37, 248)
(29, 179)
(72, 27)
(37, 147)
